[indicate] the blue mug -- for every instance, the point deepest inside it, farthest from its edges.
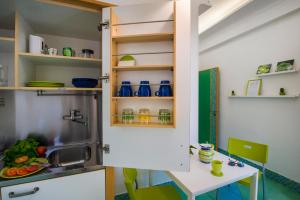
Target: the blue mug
(144, 89)
(125, 90)
(165, 89)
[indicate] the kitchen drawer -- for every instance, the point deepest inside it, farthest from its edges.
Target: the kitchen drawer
(84, 186)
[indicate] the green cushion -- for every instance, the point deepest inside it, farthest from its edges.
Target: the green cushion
(167, 192)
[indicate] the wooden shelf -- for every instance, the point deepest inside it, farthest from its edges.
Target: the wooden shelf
(154, 37)
(7, 44)
(280, 97)
(144, 68)
(7, 39)
(150, 125)
(277, 73)
(58, 89)
(7, 88)
(143, 98)
(42, 59)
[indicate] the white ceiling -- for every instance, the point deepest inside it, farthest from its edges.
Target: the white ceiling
(220, 10)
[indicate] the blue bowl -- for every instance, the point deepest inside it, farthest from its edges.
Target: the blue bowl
(84, 82)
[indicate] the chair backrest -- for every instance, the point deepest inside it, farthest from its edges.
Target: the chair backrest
(250, 150)
(129, 178)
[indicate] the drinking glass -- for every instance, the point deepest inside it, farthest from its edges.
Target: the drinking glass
(164, 116)
(144, 116)
(127, 116)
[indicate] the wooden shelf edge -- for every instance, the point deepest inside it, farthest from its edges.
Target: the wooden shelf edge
(144, 37)
(143, 98)
(7, 88)
(59, 57)
(143, 68)
(50, 89)
(8, 39)
(138, 125)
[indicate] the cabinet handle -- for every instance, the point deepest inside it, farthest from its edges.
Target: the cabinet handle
(15, 195)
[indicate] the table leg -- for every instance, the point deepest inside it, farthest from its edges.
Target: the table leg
(254, 187)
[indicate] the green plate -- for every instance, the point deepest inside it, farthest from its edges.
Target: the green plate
(44, 84)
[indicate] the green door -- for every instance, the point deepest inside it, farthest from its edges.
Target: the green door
(208, 106)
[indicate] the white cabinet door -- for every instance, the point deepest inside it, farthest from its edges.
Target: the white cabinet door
(84, 186)
(150, 148)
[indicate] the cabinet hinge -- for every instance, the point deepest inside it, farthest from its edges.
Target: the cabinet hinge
(104, 24)
(105, 78)
(106, 148)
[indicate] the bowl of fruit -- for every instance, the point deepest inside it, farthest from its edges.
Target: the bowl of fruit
(24, 158)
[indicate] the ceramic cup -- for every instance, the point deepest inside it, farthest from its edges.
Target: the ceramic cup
(52, 51)
(125, 90)
(144, 89)
(165, 89)
(217, 167)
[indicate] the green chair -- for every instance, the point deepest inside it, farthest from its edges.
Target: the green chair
(252, 151)
(167, 192)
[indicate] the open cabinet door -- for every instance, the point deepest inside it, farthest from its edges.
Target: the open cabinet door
(157, 35)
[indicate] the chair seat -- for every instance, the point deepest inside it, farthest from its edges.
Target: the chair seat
(247, 181)
(167, 192)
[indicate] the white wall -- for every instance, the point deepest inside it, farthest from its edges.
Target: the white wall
(271, 121)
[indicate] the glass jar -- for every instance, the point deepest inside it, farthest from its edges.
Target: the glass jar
(127, 116)
(164, 116)
(67, 51)
(3, 78)
(87, 53)
(144, 116)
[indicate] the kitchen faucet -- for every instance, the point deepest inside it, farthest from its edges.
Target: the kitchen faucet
(75, 116)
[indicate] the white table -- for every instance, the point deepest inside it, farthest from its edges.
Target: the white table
(199, 180)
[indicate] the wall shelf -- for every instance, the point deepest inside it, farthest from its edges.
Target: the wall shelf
(143, 98)
(7, 88)
(277, 73)
(7, 39)
(58, 89)
(150, 125)
(49, 89)
(143, 68)
(7, 44)
(154, 37)
(270, 96)
(42, 59)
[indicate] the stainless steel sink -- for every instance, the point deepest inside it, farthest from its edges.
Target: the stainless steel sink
(71, 154)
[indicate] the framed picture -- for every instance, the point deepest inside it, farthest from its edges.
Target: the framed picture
(285, 65)
(254, 87)
(264, 69)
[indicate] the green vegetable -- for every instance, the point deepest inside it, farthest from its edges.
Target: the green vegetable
(25, 147)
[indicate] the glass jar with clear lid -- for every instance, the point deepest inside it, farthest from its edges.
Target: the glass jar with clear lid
(3, 77)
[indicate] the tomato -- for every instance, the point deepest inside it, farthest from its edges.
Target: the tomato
(41, 150)
(22, 171)
(11, 171)
(21, 159)
(32, 168)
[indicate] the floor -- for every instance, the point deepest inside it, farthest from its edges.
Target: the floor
(275, 191)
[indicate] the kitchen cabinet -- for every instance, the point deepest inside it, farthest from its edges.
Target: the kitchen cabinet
(89, 185)
(158, 37)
